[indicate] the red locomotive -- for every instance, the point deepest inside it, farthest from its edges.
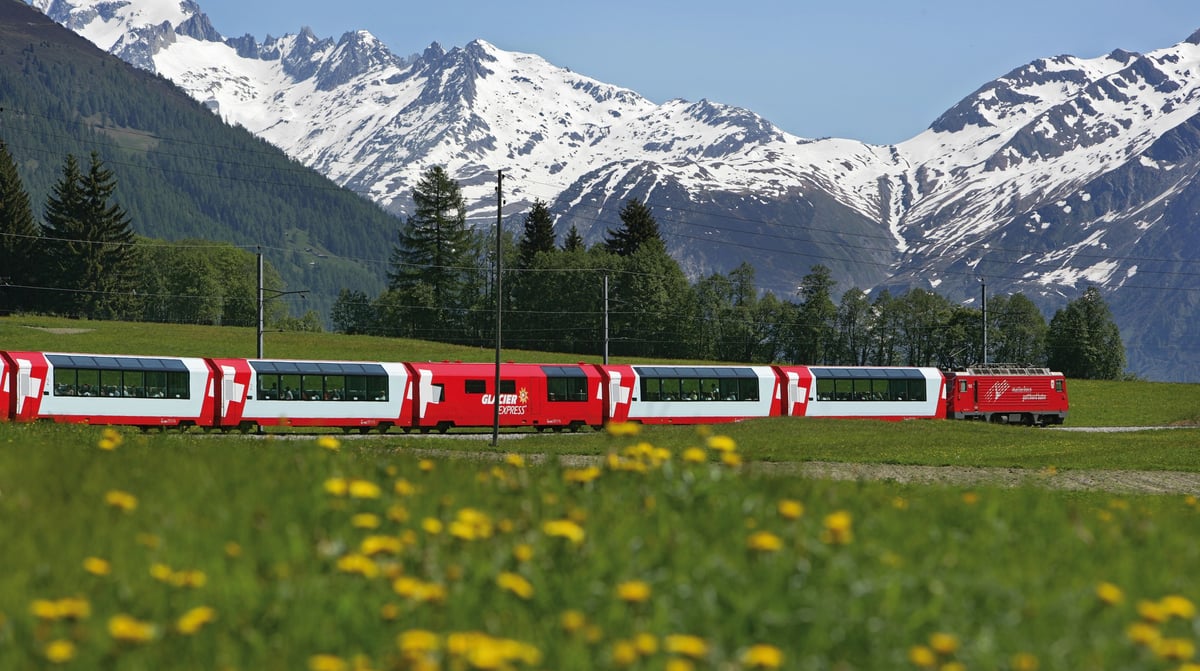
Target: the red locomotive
(247, 394)
(1007, 394)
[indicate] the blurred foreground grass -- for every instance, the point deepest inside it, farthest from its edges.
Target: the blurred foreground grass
(189, 551)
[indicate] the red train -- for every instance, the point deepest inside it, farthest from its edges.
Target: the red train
(246, 394)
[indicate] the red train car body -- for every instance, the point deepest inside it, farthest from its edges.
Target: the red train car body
(540, 396)
(111, 389)
(1007, 394)
(338, 394)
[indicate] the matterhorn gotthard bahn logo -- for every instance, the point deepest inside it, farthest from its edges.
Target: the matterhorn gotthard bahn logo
(510, 404)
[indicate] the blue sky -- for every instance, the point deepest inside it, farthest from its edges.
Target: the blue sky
(874, 70)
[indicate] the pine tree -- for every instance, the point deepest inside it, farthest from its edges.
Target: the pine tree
(91, 253)
(637, 228)
(573, 242)
(1084, 341)
(539, 233)
(18, 239)
(430, 266)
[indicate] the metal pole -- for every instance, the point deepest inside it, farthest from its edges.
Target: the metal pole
(983, 291)
(499, 300)
(260, 305)
(605, 319)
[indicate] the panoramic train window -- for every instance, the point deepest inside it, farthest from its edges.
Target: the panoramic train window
(679, 383)
(869, 384)
(111, 377)
(565, 383)
(320, 381)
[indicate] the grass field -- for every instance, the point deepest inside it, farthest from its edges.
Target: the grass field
(152, 551)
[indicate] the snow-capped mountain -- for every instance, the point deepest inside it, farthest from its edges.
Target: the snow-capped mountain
(1063, 173)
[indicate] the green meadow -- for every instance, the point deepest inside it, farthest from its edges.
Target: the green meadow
(669, 548)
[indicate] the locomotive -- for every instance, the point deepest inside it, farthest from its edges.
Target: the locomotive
(249, 394)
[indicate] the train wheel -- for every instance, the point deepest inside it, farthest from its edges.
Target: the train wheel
(384, 427)
(443, 427)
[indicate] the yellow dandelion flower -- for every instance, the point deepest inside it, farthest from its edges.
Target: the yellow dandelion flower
(763, 656)
(432, 526)
(645, 643)
(623, 429)
(195, 619)
(128, 629)
(943, 643)
(970, 498)
(572, 621)
(900, 503)
(59, 651)
(426, 465)
(731, 459)
(679, 664)
(406, 586)
(1152, 611)
(764, 541)
(721, 444)
(110, 439)
(1143, 633)
(582, 475)
(417, 642)
(376, 544)
(1178, 606)
(97, 566)
(515, 583)
(365, 521)
(358, 564)
(329, 443)
(1175, 649)
(123, 501)
(389, 611)
(567, 529)
(1024, 661)
(624, 654)
(694, 455)
(633, 591)
(921, 656)
(337, 486)
(404, 488)
(953, 665)
(1190, 500)
(233, 550)
(69, 608)
(161, 572)
(523, 552)
(687, 645)
(790, 509)
(364, 489)
(514, 460)
(327, 663)
(397, 513)
(838, 528)
(1109, 594)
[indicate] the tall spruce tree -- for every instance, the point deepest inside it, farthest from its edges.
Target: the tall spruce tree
(573, 241)
(1084, 341)
(539, 233)
(637, 228)
(18, 239)
(431, 265)
(90, 243)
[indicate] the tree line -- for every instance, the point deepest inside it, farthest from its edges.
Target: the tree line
(441, 287)
(83, 260)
